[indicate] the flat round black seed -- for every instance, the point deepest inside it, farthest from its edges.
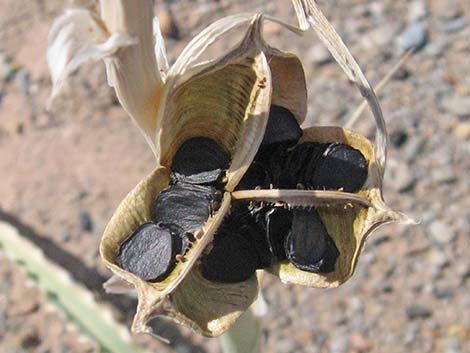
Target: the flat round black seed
(255, 236)
(282, 127)
(149, 252)
(199, 160)
(231, 259)
(184, 206)
(309, 247)
(278, 226)
(342, 167)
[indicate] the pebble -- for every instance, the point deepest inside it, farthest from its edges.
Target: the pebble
(442, 292)
(458, 105)
(6, 68)
(417, 311)
(417, 10)
(411, 333)
(86, 223)
(437, 261)
(462, 130)
(440, 233)
(443, 174)
(414, 36)
(359, 343)
(452, 345)
(454, 25)
(23, 82)
(413, 148)
(398, 138)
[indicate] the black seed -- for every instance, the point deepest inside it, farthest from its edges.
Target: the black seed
(341, 167)
(183, 206)
(309, 247)
(199, 160)
(149, 252)
(296, 163)
(278, 226)
(282, 127)
(231, 259)
(248, 221)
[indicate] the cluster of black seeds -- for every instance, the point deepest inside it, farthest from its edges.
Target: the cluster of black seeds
(252, 236)
(255, 236)
(179, 210)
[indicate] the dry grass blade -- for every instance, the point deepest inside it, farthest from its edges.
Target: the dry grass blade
(360, 109)
(309, 12)
(301, 198)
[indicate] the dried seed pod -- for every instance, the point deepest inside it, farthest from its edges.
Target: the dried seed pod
(199, 160)
(308, 246)
(183, 206)
(227, 101)
(150, 251)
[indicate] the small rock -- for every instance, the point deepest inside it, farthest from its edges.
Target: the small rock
(411, 333)
(398, 138)
(417, 10)
(319, 55)
(441, 233)
(7, 70)
(359, 343)
(339, 342)
(443, 174)
(454, 25)
(458, 105)
(384, 286)
(442, 293)
(414, 36)
(417, 311)
(437, 261)
(452, 345)
(400, 176)
(462, 130)
(86, 223)
(413, 148)
(23, 82)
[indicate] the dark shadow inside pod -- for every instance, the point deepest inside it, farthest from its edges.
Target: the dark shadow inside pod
(308, 246)
(232, 259)
(341, 167)
(199, 160)
(149, 252)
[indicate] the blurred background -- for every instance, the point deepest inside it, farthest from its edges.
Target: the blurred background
(63, 173)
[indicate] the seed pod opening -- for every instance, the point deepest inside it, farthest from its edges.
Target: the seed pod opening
(348, 223)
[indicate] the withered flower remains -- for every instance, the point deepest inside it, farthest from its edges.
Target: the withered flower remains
(238, 185)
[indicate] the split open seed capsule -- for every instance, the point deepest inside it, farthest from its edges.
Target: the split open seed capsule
(212, 130)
